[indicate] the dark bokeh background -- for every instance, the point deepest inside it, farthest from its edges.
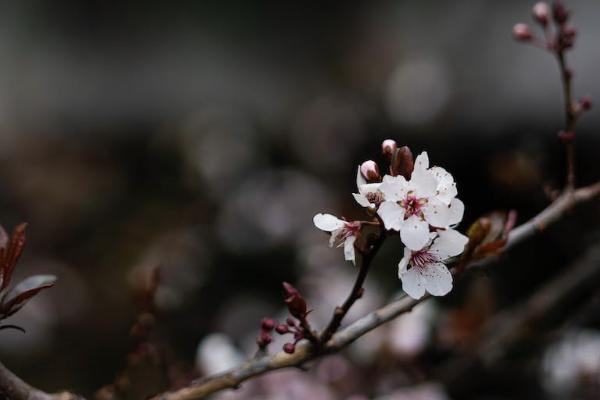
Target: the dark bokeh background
(203, 137)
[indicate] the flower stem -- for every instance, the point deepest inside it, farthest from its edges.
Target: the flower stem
(356, 292)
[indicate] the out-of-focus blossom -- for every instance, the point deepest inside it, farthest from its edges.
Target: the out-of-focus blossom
(409, 334)
(270, 208)
(417, 90)
(216, 353)
(343, 233)
(572, 365)
(424, 269)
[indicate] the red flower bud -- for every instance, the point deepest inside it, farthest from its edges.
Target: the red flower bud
(282, 329)
(566, 136)
(388, 147)
(402, 163)
(289, 348)
(541, 13)
(370, 171)
(268, 324)
(294, 301)
(559, 13)
(585, 102)
(522, 32)
(290, 321)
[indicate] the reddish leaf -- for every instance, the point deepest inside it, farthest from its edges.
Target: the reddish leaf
(3, 237)
(10, 254)
(14, 300)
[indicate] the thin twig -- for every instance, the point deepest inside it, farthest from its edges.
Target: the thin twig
(570, 117)
(356, 292)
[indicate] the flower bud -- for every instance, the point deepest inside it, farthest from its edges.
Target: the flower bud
(370, 171)
(522, 32)
(585, 102)
(388, 147)
(289, 348)
(559, 13)
(566, 136)
(268, 324)
(402, 163)
(541, 13)
(282, 329)
(294, 301)
(290, 321)
(264, 339)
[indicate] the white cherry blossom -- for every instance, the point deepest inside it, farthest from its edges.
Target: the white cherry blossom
(368, 193)
(343, 233)
(428, 198)
(424, 270)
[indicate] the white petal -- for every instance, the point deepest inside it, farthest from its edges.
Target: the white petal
(360, 180)
(335, 235)
(394, 188)
(422, 161)
(438, 280)
(457, 210)
(361, 199)
(414, 233)
(437, 213)
(446, 188)
(403, 266)
(349, 249)
(328, 222)
(423, 184)
(413, 283)
(449, 243)
(391, 214)
(369, 188)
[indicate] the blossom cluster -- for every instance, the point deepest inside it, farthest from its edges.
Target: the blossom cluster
(419, 203)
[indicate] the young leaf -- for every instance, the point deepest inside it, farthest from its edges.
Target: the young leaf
(10, 254)
(14, 300)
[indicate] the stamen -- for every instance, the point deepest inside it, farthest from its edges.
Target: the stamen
(422, 258)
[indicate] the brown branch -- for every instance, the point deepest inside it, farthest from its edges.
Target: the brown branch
(306, 352)
(14, 388)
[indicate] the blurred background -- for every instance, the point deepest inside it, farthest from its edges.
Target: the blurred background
(202, 137)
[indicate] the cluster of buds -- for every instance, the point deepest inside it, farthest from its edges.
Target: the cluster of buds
(296, 324)
(563, 36)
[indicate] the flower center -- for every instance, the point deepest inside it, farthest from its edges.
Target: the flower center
(422, 258)
(412, 205)
(351, 229)
(375, 198)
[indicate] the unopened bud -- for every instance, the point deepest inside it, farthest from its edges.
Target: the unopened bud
(388, 147)
(585, 102)
(566, 136)
(402, 163)
(268, 324)
(294, 301)
(264, 339)
(559, 13)
(290, 321)
(370, 171)
(289, 348)
(541, 13)
(282, 329)
(568, 37)
(522, 32)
